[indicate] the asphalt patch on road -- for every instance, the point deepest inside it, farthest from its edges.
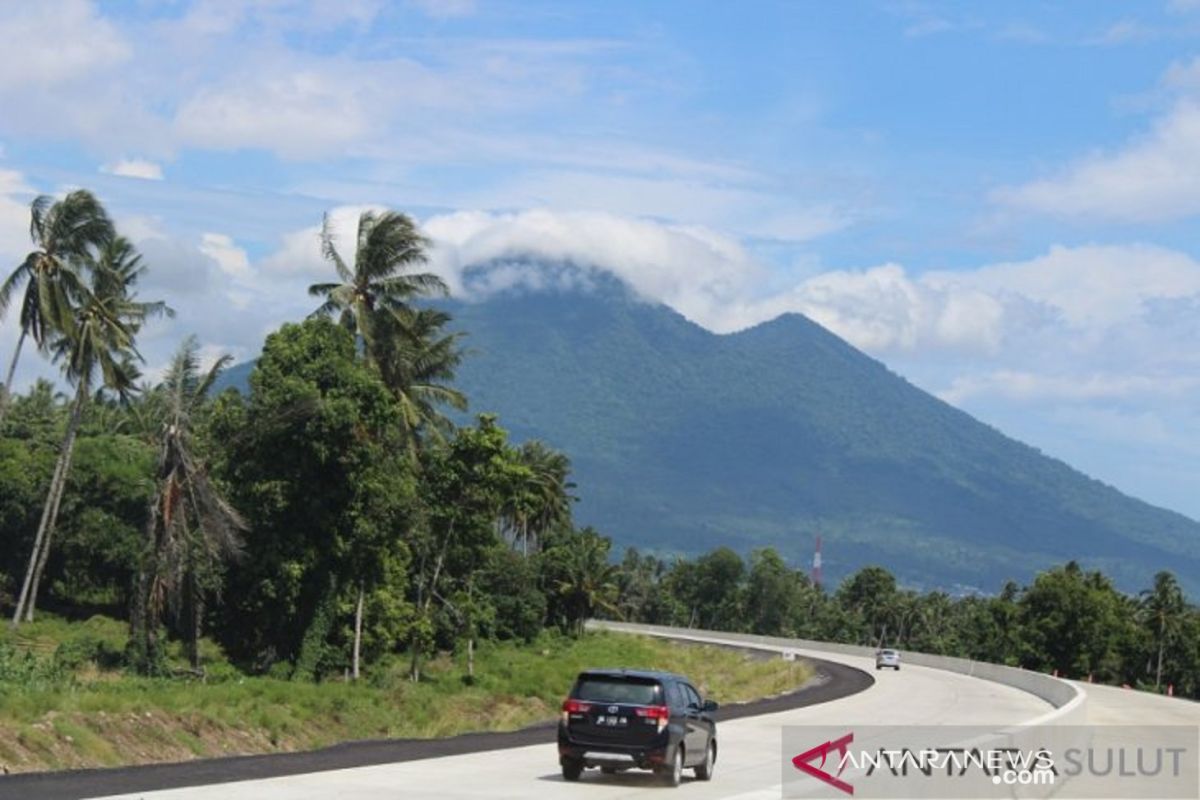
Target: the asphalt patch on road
(832, 681)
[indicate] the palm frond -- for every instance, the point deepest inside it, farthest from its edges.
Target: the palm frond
(37, 217)
(205, 383)
(20, 275)
(329, 250)
(322, 289)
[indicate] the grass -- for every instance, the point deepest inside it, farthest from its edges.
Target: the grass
(86, 713)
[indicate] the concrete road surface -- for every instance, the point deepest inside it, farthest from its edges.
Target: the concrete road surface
(748, 768)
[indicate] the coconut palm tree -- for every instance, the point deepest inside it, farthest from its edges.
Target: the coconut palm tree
(191, 528)
(417, 360)
(95, 345)
(64, 233)
(583, 578)
(1164, 606)
(539, 499)
(551, 488)
(388, 246)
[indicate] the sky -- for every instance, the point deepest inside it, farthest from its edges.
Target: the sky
(1000, 201)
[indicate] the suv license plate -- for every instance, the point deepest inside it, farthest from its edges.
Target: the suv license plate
(612, 721)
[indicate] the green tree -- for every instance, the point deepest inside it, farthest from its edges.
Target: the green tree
(774, 594)
(510, 584)
(97, 344)
(315, 460)
(712, 594)
(582, 579)
(643, 591)
(463, 483)
(64, 233)
(871, 595)
(1164, 609)
(1073, 622)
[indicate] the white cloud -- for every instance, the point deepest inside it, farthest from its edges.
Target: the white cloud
(748, 210)
(299, 254)
(229, 257)
(299, 114)
(15, 195)
(687, 267)
(1090, 285)
(1034, 387)
(1154, 177)
(134, 168)
(883, 309)
(1090, 291)
(48, 44)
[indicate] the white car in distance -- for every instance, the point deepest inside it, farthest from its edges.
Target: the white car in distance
(887, 658)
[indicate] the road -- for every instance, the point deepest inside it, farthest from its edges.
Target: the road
(748, 768)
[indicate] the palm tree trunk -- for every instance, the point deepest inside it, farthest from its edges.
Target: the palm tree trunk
(1158, 671)
(358, 618)
(6, 389)
(37, 548)
(1162, 640)
(139, 614)
(65, 456)
(49, 510)
(197, 615)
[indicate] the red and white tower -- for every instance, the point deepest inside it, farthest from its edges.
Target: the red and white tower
(816, 565)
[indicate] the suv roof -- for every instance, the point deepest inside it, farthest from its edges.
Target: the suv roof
(634, 673)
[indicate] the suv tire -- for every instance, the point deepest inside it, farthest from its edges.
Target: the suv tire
(704, 771)
(672, 772)
(571, 769)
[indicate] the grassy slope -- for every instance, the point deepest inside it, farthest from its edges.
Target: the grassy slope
(96, 717)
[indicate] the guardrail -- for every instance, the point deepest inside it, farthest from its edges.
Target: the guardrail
(1068, 700)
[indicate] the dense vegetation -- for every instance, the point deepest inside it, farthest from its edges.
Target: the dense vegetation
(337, 518)
(1068, 620)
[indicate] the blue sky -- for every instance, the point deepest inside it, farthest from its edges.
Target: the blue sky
(998, 200)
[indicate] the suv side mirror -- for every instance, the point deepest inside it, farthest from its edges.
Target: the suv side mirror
(710, 706)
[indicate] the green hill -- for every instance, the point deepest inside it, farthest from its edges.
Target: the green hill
(683, 440)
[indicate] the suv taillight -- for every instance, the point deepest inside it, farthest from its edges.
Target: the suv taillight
(656, 714)
(573, 707)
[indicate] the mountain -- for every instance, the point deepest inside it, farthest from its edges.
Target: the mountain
(683, 440)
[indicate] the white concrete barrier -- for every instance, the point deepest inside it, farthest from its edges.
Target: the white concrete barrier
(1068, 700)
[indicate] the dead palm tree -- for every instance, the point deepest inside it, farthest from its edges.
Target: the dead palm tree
(191, 528)
(64, 233)
(96, 345)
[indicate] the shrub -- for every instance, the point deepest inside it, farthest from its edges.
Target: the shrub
(27, 671)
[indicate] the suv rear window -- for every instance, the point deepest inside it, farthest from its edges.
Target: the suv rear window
(629, 691)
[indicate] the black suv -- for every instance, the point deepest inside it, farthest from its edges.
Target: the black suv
(619, 719)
